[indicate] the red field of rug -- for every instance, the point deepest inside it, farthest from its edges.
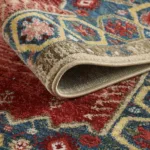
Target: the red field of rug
(23, 96)
(113, 118)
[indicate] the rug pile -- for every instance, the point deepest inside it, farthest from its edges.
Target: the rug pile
(114, 118)
(60, 44)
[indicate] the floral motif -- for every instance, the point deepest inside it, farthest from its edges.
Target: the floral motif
(84, 31)
(20, 144)
(12, 6)
(34, 28)
(143, 138)
(90, 141)
(6, 97)
(57, 146)
(122, 12)
(32, 131)
(87, 4)
(82, 12)
(124, 29)
(134, 110)
(145, 18)
(60, 142)
(60, 112)
(8, 128)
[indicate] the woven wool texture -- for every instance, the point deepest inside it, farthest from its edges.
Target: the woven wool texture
(60, 41)
(69, 48)
(30, 116)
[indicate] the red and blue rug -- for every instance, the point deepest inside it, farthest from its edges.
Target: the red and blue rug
(114, 118)
(117, 117)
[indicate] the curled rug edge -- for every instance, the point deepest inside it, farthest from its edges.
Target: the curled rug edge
(82, 73)
(71, 69)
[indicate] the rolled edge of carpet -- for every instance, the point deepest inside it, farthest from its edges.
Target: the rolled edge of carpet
(69, 70)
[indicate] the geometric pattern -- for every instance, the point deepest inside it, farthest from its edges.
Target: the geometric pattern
(126, 123)
(20, 122)
(132, 129)
(111, 24)
(16, 25)
(128, 127)
(137, 12)
(36, 120)
(25, 33)
(142, 95)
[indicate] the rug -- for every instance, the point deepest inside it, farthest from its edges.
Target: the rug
(76, 47)
(114, 118)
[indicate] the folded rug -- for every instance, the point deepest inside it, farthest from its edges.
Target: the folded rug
(114, 118)
(78, 46)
